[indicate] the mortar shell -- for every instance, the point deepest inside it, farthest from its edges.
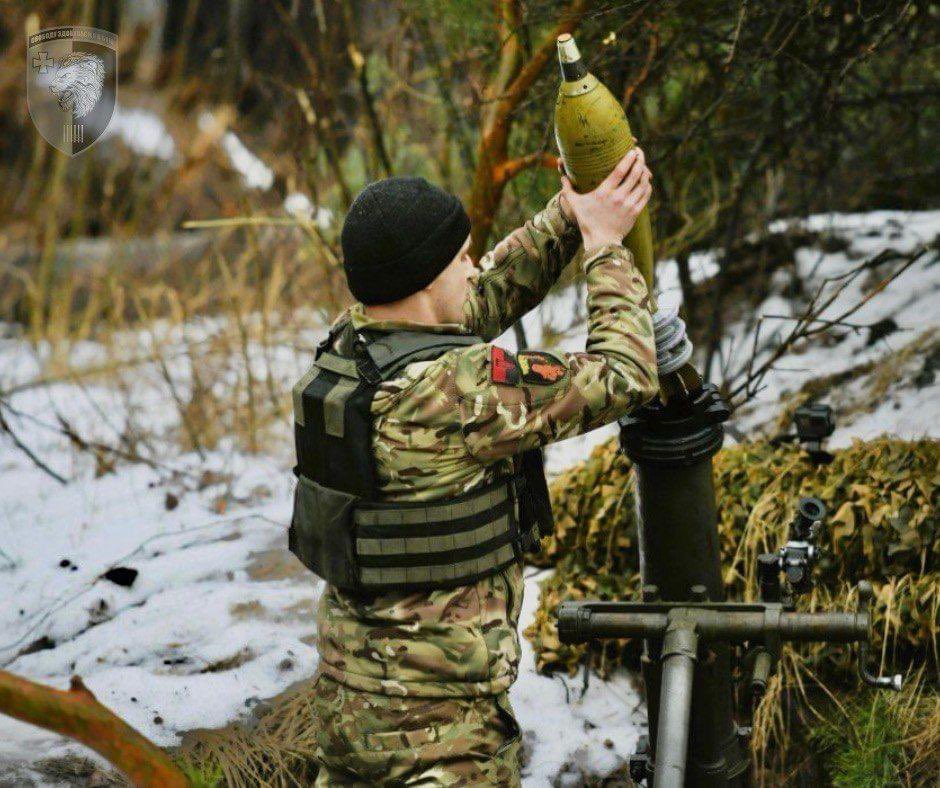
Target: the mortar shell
(593, 134)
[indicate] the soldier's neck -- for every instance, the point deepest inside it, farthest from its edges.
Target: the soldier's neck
(416, 308)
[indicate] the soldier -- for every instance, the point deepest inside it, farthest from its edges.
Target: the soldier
(420, 479)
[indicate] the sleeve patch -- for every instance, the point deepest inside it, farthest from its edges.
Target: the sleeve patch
(540, 368)
(503, 367)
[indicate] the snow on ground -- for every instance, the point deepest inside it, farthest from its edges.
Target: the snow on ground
(173, 600)
(702, 266)
(568, 736)
(168, 588)
(299, 205)
(144, 132)
(255, 173)
(908, 309)
(217, 619)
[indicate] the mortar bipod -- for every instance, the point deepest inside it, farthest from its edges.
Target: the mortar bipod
(682, 627)
(676, 632)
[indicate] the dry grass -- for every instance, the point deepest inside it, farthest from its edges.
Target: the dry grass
(218, 344)
(276, 752)
(813, 717)
(220, 340)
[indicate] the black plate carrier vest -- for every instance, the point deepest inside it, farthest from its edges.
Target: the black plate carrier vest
(344, 532)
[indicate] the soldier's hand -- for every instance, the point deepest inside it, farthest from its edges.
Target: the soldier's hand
(608, 213)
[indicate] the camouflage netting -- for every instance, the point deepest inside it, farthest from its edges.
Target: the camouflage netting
(882, 497)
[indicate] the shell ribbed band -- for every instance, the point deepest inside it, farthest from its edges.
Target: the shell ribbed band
(673, 348)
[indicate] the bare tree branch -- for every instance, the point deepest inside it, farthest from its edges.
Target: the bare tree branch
(5, 427)
(810, 322)
(509, 169)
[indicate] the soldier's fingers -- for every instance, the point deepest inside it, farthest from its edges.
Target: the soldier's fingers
(635, 175)
(619, 172)
(566, 188)
(640, 198)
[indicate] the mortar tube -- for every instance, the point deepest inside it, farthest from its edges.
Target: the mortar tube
(678, 540)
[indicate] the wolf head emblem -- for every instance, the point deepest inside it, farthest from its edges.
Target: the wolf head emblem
(78, 82)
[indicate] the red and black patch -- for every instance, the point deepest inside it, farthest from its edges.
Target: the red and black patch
(534, 367)
(503, 367)
(540, 368)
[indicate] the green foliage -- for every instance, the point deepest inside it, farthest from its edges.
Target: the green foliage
(866, 742)
(207, 774)
(462, 24)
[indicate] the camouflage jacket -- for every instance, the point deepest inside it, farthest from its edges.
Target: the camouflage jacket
(447, 425)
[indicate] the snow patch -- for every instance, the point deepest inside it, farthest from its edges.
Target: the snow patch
(255, 173)
(300, 206)
(910, 304)
(702, 266)
(568, 736)
(218, 616)
(912, 301)
(142, 131)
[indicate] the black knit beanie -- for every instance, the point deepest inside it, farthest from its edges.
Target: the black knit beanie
(399, 234)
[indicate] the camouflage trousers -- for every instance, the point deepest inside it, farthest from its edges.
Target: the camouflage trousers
(368, 739)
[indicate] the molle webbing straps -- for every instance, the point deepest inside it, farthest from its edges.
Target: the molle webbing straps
(450, 574)
(337, 364)
(298, 392)
(334, 403)
(389, 354)
(437, 543)
(333, 421)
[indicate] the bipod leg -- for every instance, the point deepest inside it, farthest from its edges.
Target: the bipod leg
(680, 647)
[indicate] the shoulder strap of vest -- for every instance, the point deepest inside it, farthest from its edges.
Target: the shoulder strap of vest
(327, 343)
(378, 356)
(343, 352)
(392, 352)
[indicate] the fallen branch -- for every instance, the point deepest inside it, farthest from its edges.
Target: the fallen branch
(76, 713)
